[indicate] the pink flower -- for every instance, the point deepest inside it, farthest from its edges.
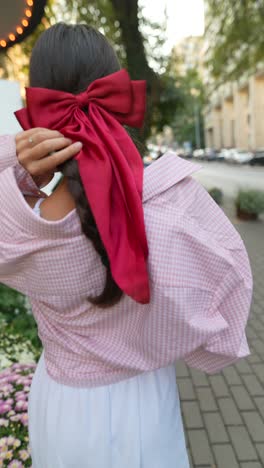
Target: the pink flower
(25, 406)
(19, 405)
(22, 397)
(10, 440)
(3, 378)
(4, 408)
(15, 418)
(13, 378)
(3, 441)
(15, 464)
(10, 401)
(24, 455)
(16, 365)
(17, 443)
(7, 388)
(24, 419)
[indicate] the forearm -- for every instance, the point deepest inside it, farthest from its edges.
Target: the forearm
(8, 158)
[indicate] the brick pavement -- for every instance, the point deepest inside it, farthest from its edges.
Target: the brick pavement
(223, 413)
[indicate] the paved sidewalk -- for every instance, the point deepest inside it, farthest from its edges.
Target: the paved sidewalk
(224, 413)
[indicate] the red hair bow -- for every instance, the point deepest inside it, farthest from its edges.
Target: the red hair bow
(110, 166)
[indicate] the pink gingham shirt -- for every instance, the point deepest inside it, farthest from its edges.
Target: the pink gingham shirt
(201, 280)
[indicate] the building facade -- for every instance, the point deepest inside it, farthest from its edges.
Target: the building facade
(188, 54)
(234, 117)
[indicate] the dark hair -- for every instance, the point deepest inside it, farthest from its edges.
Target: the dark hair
(69, 58)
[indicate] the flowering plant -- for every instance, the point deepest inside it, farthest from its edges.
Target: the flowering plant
(14, 389)
(15, 348)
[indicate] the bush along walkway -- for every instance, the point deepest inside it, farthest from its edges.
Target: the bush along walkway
(224, 413)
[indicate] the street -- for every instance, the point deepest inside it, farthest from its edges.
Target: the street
(229, 177)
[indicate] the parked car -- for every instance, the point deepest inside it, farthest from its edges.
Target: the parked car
(188, 154)
(184, 153)
(147, 160)
(240, 156)
(153, 154)
(219, 155)
(199, 153)
(210, 154)
(225, 154)
(258, 158)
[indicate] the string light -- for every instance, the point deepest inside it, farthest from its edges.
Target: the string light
(23, 24)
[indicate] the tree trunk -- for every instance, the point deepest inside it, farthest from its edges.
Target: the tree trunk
(138, 67)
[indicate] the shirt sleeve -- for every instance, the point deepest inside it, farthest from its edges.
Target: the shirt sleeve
(8, 158)
(232, 294)
(202, 280)
(231, 302)
(7, 152)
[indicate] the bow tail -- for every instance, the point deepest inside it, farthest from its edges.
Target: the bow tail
(116, 204)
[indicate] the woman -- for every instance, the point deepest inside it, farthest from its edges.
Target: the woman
(123, 279)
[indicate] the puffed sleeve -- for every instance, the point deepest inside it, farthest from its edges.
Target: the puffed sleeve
(232, 301)
(232, 296)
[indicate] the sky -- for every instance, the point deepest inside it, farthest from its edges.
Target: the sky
(185, 17)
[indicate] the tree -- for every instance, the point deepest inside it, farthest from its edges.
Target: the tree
(125, 26)
(183, 123)
(235, 28)
(120, 21)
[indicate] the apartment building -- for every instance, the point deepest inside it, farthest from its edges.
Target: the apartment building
(234, 116)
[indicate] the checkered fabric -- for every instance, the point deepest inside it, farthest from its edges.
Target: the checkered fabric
(200, 276)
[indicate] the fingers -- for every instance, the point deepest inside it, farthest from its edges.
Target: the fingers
(40, 150)
(37, 135)
(44, 148)
(50, 163)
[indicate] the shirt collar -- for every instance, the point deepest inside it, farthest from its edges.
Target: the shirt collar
(166, 172)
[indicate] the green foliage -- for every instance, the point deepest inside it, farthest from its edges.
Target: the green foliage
(11, 301)
(171, 101)
(216, 194)
(183, 122)
(16, 314)
(250, 201)
(15, 347)
(235, 31)
(138, 43)
(97, 13)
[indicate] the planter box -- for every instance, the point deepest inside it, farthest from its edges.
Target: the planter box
(245, 215)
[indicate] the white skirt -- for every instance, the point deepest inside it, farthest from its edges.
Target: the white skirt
(135, 423)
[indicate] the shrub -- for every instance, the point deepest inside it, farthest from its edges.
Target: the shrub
(16, 348)
(15, 312)
(216, 194)
(250, 201)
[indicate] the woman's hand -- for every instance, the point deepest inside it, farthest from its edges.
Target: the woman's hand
(40, 151)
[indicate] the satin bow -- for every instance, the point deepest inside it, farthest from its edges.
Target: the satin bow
(110, 166)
